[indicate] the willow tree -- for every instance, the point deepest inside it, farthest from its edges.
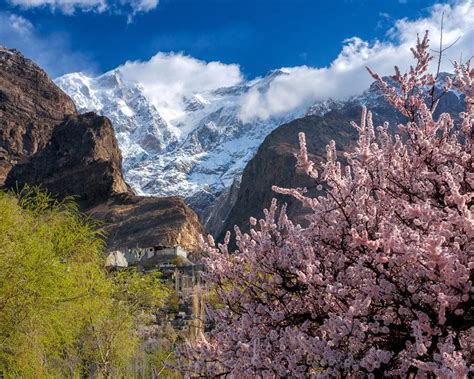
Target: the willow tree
(61, 313)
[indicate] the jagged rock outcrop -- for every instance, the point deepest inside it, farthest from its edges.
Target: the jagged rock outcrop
(79, 155)
(31, 105)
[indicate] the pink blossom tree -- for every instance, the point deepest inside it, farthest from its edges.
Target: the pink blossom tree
(380, 283)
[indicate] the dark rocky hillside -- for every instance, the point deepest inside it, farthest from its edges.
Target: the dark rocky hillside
(81, 159)
(274, 164)
(31, 105)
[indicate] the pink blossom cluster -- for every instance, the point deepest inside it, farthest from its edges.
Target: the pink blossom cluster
(380, 282)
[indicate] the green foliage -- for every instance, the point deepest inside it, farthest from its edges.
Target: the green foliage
(173, 302)
(164, 361)
(61, 313)
(139, 291)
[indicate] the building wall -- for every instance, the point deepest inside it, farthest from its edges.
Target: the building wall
(141, 255)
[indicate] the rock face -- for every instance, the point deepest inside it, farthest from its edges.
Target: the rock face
(215, 215)
(274, 164)
(47, 143)
(132, 221)
(31, 105)
(82, 159)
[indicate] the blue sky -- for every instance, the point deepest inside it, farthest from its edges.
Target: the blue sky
(179, 48)
(259, 35)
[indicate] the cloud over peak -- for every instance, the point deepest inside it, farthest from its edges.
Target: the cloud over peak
(169, 77)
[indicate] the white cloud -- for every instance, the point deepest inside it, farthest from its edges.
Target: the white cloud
(65, 6)
(166, 78)
(52, 52)
(143, 5)
(71, 6)
(20, 24)
(346, 75)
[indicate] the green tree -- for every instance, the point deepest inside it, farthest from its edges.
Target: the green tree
(140, 292)
(61, 313)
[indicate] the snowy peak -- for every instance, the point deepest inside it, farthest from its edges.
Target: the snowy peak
(176, 146)
(140, 128)
(322, 107)
(111, 80)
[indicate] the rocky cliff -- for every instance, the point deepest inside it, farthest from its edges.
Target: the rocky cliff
(31, 105)
(148, 221)
(81, 159)
(214, 216)
(49, 144)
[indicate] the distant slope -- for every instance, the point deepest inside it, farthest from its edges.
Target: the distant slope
(274, 164)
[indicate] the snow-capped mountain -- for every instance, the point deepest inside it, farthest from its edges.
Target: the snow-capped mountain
(195, 146)
(199, 149)
(374, 100)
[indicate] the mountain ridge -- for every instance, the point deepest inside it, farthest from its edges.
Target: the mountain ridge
(203, 149)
